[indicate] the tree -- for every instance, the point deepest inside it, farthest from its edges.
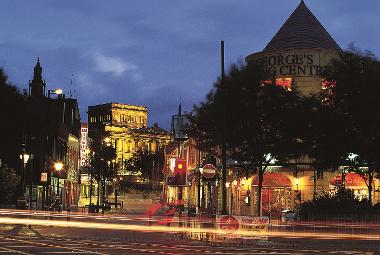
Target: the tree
(146, 164)
(102, 165)
(356, 99)
(11, 128)
(9, 182)
(321, 135)
(252, 117)
(213, 122)
(269, 131)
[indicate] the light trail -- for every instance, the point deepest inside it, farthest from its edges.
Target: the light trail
(176, 219)
(176, 229)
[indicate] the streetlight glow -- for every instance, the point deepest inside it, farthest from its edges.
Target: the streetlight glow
(297, 182)
(25, 157)
(58, 91)
(58, 166)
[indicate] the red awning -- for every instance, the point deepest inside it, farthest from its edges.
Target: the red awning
(273, 180)
(352, 180)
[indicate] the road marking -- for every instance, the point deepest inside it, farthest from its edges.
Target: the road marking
(20, 246)
(15, 251)
(63, 252)
(49, 245)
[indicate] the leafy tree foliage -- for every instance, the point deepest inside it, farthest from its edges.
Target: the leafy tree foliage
(102, 165)
(9, 182)
(320, 132)
(12, 122)
(255, 119)
(148, 165)
(355, 99)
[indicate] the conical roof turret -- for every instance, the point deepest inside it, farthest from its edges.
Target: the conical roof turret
(302, 30)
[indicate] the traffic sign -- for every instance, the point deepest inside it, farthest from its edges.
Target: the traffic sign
(228, 223)
(208, 171)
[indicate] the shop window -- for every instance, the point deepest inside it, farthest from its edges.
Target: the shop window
(284, 82)
(328, 84)
(266, 82)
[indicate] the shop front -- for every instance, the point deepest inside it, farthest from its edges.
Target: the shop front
(276, 194)
(352, 181)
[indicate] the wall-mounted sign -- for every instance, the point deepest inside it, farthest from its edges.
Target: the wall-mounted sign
(44, 177)
(291, 64)
(83, 145)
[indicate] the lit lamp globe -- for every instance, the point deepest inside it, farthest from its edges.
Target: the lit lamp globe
(58, 91)
(25, 157)
(107, 140)
(58, 166)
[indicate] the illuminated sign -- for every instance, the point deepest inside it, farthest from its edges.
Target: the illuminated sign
(83, 145)
(291, 64)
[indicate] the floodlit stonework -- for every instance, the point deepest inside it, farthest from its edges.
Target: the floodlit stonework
(126, 126)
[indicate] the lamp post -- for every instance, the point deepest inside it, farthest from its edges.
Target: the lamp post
(103, 181)
(25, 158)
(297, 182)
(231, 200)
(58, 167)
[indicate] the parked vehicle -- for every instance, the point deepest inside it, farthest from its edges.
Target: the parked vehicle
(288, 215)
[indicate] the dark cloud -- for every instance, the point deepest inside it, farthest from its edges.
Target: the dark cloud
(154, 52)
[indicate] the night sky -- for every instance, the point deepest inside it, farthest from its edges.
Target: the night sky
(152, 52)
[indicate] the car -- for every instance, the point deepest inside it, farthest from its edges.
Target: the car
(288, 215)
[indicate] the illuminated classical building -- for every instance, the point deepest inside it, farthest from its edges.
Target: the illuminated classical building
(126, 126)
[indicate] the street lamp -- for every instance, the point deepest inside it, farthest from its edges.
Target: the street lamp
(59, 166)
(107, 140)
(297, 182)
(25, 158)
(233, 187)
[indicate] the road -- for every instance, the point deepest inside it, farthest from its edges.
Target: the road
(117, 234)
(65, 245)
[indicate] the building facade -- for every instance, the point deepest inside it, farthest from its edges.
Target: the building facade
(126, 127)
(51, 135)
(298, 52)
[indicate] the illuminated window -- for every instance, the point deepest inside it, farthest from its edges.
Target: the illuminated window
(328, 84)
(266, 82)
(284, 82)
